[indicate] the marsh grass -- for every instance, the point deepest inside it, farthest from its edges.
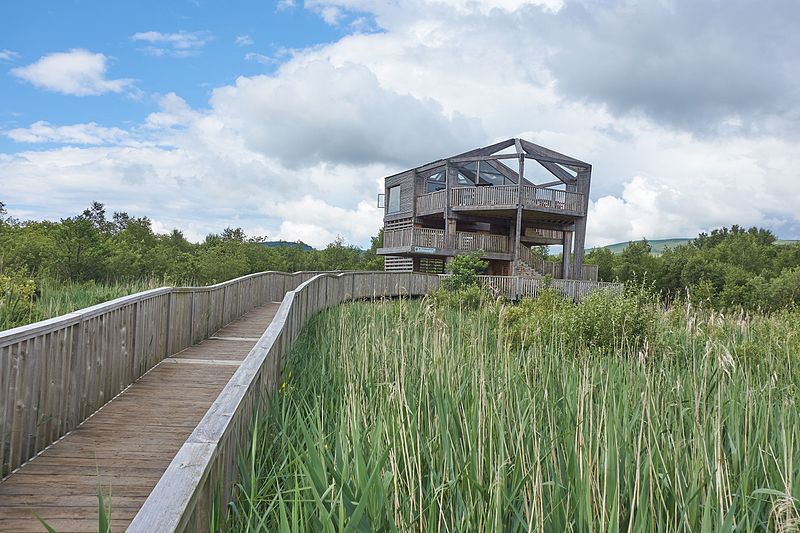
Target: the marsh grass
(398, 416)
(52, 299)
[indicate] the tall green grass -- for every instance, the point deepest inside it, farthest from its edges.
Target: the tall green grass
(398, 416)
(53, 298)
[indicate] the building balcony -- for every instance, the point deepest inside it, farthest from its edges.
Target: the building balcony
(434, 242)
(503, 197)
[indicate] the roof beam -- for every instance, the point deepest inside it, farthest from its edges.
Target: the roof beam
(552, 156)
(504, 169)
(469, 159)
(559, 172)
(487, 150)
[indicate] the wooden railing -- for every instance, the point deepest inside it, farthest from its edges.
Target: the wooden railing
(431, 238)
(545, 268)
(481, 241)
(436, 238)
(590, 272)
(553, 268)
(200, 478)
(505, 196)
(494, 196)
(515, 287)
(55, 373)
(543, 197)
(545, 233)
(431, 202)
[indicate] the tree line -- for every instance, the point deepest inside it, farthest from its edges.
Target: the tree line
(93, 246)
(728, 268)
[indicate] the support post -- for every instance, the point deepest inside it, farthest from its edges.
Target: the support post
(450, 177)
(582, 186)
(566, 259)
(518, 232)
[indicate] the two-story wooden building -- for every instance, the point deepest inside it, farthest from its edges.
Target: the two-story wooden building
(485, 200)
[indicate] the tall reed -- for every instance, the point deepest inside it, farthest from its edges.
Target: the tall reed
(396, 416)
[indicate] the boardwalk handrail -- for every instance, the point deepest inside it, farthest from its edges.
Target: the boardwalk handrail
(516, 287)
(55, 373)
(200, 477)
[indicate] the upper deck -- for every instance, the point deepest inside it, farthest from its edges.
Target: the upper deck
(503, 197)
(493, 181)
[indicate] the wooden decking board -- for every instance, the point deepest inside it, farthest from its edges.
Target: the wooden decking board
(129, 443)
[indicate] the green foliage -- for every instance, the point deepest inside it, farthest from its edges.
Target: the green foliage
(17, 295)
(538, 321)
(602, 320)
(729, 268)
(464, 271)
(604, 259)
(468, 297)
(616, 322)
(123, 250)
(391, 418)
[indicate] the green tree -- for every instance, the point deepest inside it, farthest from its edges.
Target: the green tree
(464, 271)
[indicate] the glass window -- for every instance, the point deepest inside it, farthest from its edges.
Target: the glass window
(393, 205)
(493, 176)
(433, 186)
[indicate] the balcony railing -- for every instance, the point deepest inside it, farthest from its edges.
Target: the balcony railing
(538, 197)
(436, 238)
(553, 234)
(501, 197)
(496, 196)
(432, 202)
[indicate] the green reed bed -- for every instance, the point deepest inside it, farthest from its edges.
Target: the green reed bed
(398, 416)
(24, 300)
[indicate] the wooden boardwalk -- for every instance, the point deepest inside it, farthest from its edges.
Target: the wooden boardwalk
(126, 446)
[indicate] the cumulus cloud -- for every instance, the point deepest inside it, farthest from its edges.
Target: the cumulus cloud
(178, 44)
(77, 72)
(700, 66)
(300, 153)
(340, 115)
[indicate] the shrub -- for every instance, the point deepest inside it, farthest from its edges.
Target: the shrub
(602, 321)
(610, 321)
(466, 297)
(543, 320)
(464, 271)
(17, 295)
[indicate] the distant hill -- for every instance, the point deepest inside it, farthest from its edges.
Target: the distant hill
(659, 245)
(284, 244)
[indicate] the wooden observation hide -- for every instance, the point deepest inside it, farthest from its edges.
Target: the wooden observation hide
(487, 201)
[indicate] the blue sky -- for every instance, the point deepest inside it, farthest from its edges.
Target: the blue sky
(33, 29)
(283, 117)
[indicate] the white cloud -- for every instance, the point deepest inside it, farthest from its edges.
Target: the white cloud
(91, 133)
(8, 55)
(243, 40)
(285, 4)
(339, 114)
(178, 44)
(260, 58)
(77, 72)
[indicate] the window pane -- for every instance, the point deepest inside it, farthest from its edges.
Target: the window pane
(393, 206)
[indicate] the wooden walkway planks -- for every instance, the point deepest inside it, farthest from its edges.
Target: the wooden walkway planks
(129, 443)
